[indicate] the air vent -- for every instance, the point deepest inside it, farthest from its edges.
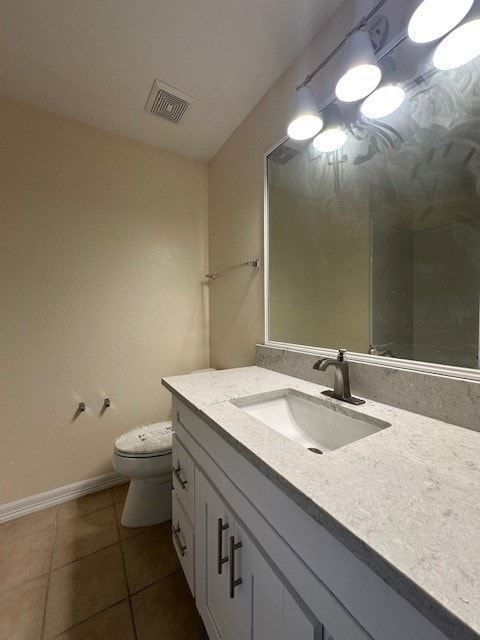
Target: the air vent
(167, 102)
(283, 154)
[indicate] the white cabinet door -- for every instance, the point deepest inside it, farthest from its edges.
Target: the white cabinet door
(298, 622)
(213, 526)
(239, 595)
(259, 598)
(265, 602)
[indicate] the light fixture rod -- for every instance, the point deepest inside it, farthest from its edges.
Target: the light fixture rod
(385, 53)
(360, 25)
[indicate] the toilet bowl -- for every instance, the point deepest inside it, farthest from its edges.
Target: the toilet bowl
(144, 454)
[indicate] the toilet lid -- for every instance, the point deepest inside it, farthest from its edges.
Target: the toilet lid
(146, 440)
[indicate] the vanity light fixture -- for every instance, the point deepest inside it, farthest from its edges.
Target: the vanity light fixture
(434, 18)
(361, 74)
(333, 137)
(383, 102)
(306, 121)
(460, 46)
(388, 97)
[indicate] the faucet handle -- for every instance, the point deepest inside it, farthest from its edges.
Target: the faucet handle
(342, 355)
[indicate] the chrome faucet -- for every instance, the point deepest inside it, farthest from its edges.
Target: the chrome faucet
(341, 385)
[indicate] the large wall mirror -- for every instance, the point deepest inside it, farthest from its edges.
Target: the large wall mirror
(375, 247)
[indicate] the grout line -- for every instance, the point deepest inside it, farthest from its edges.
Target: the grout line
(169, 575)
(49, 574)
(118, 524)
(87, 555)
(86, 619)
(84, 515)
(88, 512)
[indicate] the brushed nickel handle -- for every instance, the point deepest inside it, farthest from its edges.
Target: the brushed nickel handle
(221, 560)
(176, 471)
(233, 582)
(180, 547)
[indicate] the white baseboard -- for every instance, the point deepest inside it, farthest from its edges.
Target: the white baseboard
(21, 507)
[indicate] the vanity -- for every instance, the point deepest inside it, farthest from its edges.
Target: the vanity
(286, 531)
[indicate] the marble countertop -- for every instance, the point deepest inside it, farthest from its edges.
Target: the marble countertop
(405, 500)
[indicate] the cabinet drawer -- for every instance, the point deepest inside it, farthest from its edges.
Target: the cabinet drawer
(182, 536)
(183, 473)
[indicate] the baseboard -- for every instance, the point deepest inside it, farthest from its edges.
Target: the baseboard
(24, 506)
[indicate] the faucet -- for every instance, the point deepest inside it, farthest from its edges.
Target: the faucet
(341, 386)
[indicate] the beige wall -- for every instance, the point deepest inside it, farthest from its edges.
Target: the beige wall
(319, 285)
(103, 247)
(236, 197)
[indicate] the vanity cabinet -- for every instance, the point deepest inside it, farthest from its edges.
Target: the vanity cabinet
(259, 567)
(238, 594)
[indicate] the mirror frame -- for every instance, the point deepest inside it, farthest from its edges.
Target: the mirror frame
(365, 358)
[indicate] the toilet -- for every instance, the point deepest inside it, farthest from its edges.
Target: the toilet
(144, 454)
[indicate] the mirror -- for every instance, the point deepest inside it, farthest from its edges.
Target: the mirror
(376, 247)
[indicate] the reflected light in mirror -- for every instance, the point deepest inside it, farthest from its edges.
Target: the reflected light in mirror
(459, 47)
(383, 102)
(330, 140)
(434, 18)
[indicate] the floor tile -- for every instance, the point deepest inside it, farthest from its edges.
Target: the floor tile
(25, 558)
(149, 557)
(86, 504)
(127, 532)
(167, 611)
(113, 624)
(119, 492)
(26, 525)
(84, 588)
(21, 610)
(82, 536)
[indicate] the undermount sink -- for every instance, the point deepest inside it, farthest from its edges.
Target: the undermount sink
(310, 421)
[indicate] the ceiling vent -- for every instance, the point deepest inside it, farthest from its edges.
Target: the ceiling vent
(283, 154)
(167, 102)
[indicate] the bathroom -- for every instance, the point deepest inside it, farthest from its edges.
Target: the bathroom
(240, 389)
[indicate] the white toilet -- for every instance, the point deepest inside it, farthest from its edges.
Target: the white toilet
(144, 454)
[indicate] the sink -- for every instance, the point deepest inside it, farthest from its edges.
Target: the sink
(314, 423)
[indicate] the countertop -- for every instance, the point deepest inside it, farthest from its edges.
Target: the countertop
(405, 500)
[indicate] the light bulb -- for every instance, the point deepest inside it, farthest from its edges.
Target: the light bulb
(459, 47)
(358, 83)
(304, 127)
(434, 18)
(383, 102)
(362, 74)
(330, 140)
(306, 121)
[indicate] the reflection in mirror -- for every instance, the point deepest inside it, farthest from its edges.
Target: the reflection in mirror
(375, 247)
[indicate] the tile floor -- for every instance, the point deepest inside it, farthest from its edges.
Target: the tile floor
(73, 572)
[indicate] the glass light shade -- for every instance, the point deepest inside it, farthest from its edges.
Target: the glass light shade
(330, 140)
(361, 74)
(434, 18)
(306, 121)
(383, 102)
(459, 47)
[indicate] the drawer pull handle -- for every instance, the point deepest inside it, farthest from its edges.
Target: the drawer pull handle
(176, 471)
(180, 547)
(233, 582)
(220, 559)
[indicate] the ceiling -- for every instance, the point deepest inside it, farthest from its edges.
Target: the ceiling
(95, 60)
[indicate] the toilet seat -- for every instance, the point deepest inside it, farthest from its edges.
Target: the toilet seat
(148, 441)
